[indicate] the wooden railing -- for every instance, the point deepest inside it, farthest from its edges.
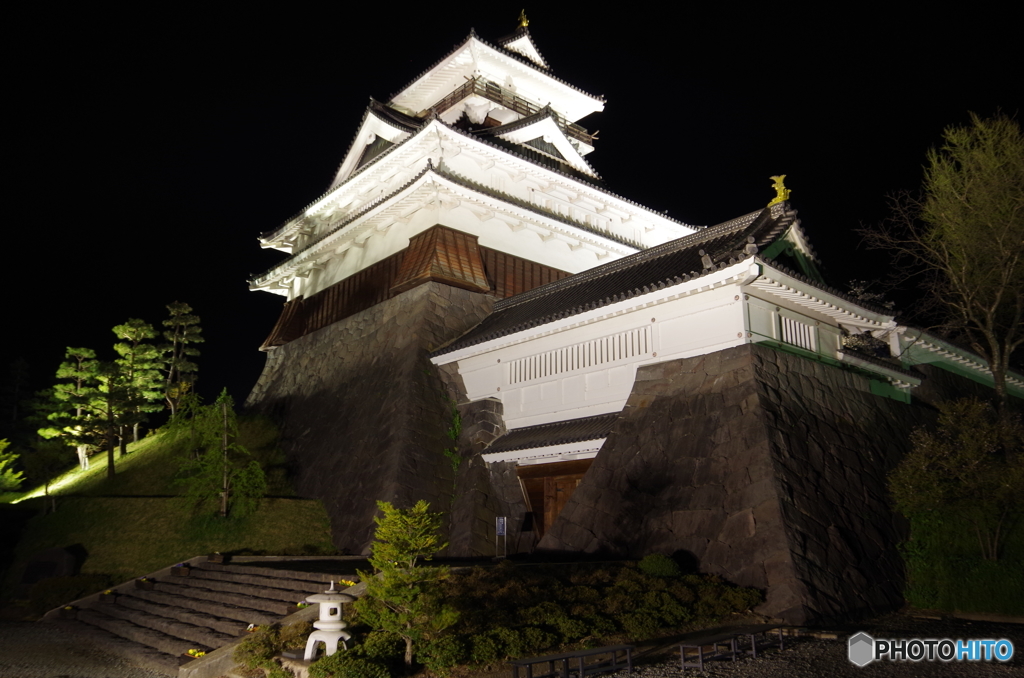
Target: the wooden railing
(510, 100)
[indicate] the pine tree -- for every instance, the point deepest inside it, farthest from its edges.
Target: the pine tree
(10, 479)
(70, 414)
(180, 371)
(218, 468)
(43, 463)
(139, 364)
(109, 408)
(403, 598)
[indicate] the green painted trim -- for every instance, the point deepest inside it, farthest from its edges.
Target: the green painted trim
(785, 245)
(877, 386)
(887, 390)
(773, 250)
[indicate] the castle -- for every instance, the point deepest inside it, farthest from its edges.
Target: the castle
(474, 319)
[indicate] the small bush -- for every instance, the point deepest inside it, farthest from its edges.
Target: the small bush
(659, 565)
(441, 654)
(258, 650)
(347, 665)
(536, 639)
(639, 626)
(571, 629)
(485, 649)
(383, 647)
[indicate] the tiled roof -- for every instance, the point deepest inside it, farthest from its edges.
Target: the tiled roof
(443, 170)
(520, 32)
(444, 255)
(869, 305)
(557, 433)
(663, 266)
(512, 55)
(547, 112)
(380, 111)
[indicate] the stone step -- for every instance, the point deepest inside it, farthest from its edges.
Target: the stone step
(247, 600)
(274, 573)
(268, 589)
(133, 652)
(230, 627)
(135, 633)
(298, 587)
(200, 635)
(246, 615)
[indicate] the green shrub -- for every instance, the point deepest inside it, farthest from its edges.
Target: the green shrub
(256, 650)
(571, 629)
(383, 647)
(56, 591)
(347, 665)
(516, 611)
(536, 639)
(599, 626)
(484, 649)
(659, 565)
(639, 626)
(260, 647)
(441, 654)
(544, 613)
(617, 602)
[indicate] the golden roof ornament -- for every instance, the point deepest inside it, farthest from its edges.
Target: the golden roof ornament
(523, 21)
(781, 192)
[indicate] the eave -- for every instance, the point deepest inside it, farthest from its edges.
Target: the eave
(423, 145)
(544, 126)
(521, 42)
(736, 274)
(922, 348)
(799, 291)
(374, 123)
(474, 55)
(430, 185)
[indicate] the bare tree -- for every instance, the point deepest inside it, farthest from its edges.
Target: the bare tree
(965, 237)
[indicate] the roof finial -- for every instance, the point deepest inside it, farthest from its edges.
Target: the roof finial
(523, 21)
(781, 192)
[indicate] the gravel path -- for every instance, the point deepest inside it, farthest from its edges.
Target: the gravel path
(43, 650)
(811, 658)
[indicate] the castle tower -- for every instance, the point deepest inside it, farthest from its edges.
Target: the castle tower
(474, 175)
(473, 319)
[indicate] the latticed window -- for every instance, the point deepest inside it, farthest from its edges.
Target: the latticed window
(797, 333)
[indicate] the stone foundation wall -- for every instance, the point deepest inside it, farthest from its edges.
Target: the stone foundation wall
(363, 412)
(767, 468)
(764, 467)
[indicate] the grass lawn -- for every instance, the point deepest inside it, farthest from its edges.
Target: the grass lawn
(134, 523)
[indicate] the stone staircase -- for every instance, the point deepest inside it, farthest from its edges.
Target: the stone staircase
(207, 610)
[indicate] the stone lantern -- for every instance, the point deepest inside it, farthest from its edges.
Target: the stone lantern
(329, 627)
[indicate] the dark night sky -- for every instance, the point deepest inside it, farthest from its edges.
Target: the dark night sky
(147, 152)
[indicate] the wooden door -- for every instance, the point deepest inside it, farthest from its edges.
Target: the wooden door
(548, 487)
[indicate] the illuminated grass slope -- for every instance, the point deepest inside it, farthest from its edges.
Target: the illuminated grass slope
(135, 523)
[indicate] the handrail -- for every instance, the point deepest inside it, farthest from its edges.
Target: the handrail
(510, 100)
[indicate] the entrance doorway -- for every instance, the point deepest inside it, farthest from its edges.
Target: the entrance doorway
(548, 487)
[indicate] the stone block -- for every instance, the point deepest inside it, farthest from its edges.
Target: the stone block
(705, 523)
(737, 527)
